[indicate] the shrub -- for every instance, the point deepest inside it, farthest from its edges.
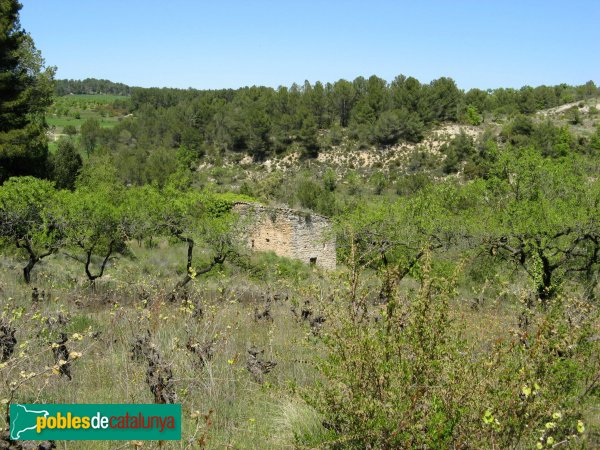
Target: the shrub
(410, 379)
(412, 183)
(472, 116)
(70, 130)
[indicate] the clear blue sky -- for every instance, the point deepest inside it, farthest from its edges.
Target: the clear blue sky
(228, 44)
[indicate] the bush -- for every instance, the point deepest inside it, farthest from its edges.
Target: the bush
(410, 379)
(70, 130)
(574, 116)
(329, 180)
(460, 149)
(412, 183)
(308, 193)
(472, 116)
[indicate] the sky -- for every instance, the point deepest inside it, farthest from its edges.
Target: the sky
(229, 44)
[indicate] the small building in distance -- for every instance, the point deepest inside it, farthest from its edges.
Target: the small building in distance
(308, 237)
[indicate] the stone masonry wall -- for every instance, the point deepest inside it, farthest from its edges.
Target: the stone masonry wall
(306, 237)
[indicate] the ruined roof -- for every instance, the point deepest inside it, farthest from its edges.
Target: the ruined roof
(282, 209)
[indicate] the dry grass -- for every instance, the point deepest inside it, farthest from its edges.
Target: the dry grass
(244, 414)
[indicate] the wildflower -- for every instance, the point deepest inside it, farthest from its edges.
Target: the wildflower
(580, 426)
(556, 415)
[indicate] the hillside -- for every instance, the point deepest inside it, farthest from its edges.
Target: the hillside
(465, 289)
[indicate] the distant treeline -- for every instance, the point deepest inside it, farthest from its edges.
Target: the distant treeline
(261, 120)
(91, 86)
(308, 119)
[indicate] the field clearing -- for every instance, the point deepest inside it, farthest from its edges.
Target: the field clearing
(63, 121)
(74, 110)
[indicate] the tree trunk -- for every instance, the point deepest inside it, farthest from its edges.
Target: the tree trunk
(545, 289)
(91, 277)
(219, 259)
(28, 268)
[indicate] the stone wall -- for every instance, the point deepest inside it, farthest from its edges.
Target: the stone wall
(307, 237)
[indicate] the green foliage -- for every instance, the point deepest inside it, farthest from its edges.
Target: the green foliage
(91, 86)
(574, 116)
(595, 142)
(472, 116)
(29, 219)
(542, 217)
(329, 180)
(267, 267)
(160, 165)
(25, 93)
(460, 149)
(379, 182)
(219, 205)
(518, 130)
(70, 130)
(553, 141)
(308, 193)
(410, 379)
(263, 122)
(66, 164)
(96, 225)
(412, 183)
(308, 138)
(90, 134)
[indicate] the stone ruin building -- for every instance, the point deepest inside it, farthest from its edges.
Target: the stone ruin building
(308, 237)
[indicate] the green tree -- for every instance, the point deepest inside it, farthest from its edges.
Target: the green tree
(95, 219)
(393, 126)
(70, 130)
(443, 99)
(66, 164)
(387, 129)
(29, 219)
(26, 90)
(542, 217)
(96, 226)
(472, 116)
(90, 133)
(308, 137)
(190, 216)
(379, 182)
(459, 150)
(342, 99)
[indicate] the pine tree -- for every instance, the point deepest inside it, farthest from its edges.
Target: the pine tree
(26, 89)
(66, 164)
